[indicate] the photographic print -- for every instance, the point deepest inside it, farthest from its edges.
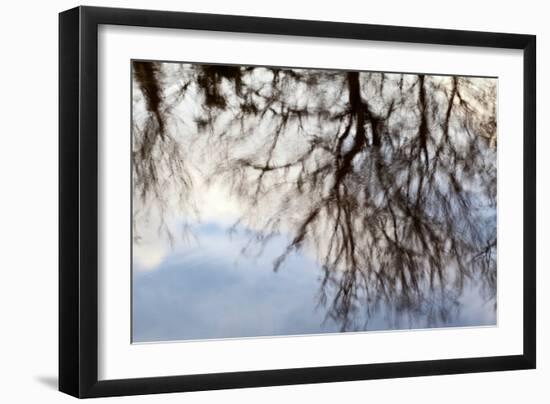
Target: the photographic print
(279, 201)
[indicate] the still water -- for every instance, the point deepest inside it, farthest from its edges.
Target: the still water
(209, 289)
(283, 201)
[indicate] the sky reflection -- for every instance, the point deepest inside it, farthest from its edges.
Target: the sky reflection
(209, 288)
(281, 201)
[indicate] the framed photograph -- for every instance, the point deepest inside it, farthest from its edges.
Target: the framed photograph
(251, 201)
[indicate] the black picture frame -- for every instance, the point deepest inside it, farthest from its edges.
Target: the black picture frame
(78, 201)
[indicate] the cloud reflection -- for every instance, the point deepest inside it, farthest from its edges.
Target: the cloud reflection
(217, 292)
(383, 184)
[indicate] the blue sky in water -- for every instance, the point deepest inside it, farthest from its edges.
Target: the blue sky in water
(209, 288)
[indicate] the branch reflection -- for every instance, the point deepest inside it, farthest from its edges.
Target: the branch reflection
(387, 180)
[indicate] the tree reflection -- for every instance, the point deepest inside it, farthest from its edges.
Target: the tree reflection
(388, 180)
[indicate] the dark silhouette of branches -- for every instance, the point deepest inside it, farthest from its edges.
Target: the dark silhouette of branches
(387, 180)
